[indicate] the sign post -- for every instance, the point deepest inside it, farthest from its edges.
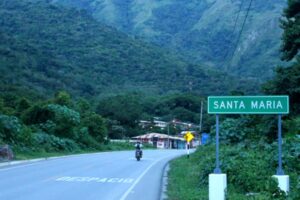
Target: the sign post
(188, 137)
(279, 169)
(246, 105)
(217, 169)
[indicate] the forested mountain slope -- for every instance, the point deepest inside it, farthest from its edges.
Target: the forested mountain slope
(46, 47)
(203, 31)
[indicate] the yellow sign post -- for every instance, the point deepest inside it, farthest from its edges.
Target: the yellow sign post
(188, 136)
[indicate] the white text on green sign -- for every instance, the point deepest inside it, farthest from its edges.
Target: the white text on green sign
(248, 105)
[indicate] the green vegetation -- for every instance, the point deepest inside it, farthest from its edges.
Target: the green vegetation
(44, 126)
(125, 111)
(111, 146)
(45, 129)
(64, 125)
(249, 169)
(248, 143)
(249, 157)
(200, 30)
(45, 48)
(70, 84)
(59, 126)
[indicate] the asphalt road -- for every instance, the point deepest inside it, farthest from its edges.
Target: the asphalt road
(102, 176)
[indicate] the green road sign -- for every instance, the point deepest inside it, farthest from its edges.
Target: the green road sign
(248, 105)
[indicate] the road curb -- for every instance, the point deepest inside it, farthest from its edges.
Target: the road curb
(9, 163)
(164, 181)
(18, 162)
(164, 184)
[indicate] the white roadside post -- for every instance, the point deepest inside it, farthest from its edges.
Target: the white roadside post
(283, 182)
(217, 186)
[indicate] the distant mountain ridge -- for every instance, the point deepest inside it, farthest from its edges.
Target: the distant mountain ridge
(47, 47)
(201, 30)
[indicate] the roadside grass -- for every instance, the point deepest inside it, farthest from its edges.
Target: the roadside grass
(249, 173)
(26, 153)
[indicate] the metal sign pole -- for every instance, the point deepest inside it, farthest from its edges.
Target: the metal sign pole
(279, 169)
(201, 110)
(217, 170)
(188, 149)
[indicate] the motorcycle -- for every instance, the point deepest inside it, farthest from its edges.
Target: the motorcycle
(138, 154)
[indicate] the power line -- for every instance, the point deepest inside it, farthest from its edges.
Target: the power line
(233, 31)
(240, 34)
(237, 17)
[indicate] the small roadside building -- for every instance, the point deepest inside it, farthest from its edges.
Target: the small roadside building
(162, 141)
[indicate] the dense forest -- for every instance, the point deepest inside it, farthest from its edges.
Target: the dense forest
(201, 30)
(45, 47)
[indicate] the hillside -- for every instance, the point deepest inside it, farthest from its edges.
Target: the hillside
(46, 48)
(203, 31)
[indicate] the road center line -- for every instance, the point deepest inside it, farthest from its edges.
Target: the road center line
(138, 179)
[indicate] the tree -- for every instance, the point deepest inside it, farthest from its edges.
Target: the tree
(63, 98)
(126, 109)
(22, 105)
(65, 119)
(96, 127)
(291, 27)
(10, 128)
(287, 80)
(83, 106)
(37, 114)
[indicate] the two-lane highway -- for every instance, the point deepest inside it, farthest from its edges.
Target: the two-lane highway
(101, 176)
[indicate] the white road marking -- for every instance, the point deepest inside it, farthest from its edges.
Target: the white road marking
(138, 180)
(20, 166)
(141, 159)
(94, 179)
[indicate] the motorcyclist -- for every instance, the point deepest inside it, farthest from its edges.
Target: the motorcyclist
(138, 147)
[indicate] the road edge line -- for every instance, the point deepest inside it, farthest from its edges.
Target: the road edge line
(30, 161)
(124, 196)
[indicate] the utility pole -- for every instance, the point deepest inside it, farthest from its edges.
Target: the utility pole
(201, 110)
(168, 135)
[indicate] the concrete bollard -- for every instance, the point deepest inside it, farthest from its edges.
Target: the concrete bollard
(217, 186)
(283, 182)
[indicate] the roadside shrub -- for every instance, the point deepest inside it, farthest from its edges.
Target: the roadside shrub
(96, 127)
(52, 143)
(10, 128)
(65, 119)
(26, 137)
(85, 140)
(229, 131)
(37, 114)
(249, 170)
(291, 151)
(293, 126)
(49, 127)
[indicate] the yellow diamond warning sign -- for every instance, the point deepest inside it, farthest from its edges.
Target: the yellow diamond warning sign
(188, 136)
